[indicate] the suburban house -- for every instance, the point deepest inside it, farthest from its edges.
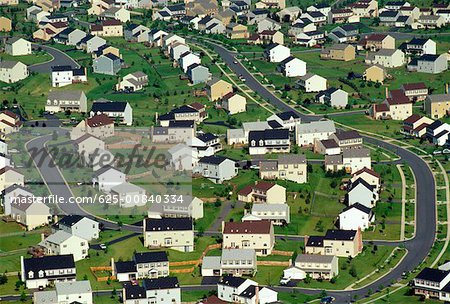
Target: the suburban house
(416, 125)
(432, 64)
(375, 42)
(108, 28)
(176, 132)
(27, 211)
(107, 177)
(341, 243)
(347, 139)
(12, 193)
(12, 71)
(232, 289)
(234, 103)
(150, 265)
(91, 43)
(318, 266)
(288, 120)
(350, 160)
(62, 242)
(327, 147)
(133, 82)
(433, 283)
(173, 233)
(396, 106)
(292, 67)
(128, 195)
(198, 73)
(63, 75)
(369, 176)
(136, 33)
(40, 272)
(191, 207)
(268, 24)
(437, 105)
(344, 33)
(356, 216)
(290, 167)
(278, 214)
(78, 225)
(100, 126)
(217, 89)
(257, 235)
(263, 192)
(9, 122)
(88, 144)
(193, 112)
(415, 91)
(333, 97)
(419, 47)
(306, 134)
(177, 49)
(159, 290)
(269, 141)
(120, 111)
(5, 24)
(17, 46)
(375, 73)
(438, 132)
(66, 292)
(276, 53)
(108, 64)
(312, 83)
(106, 49)
(343, 52)
(216, 168)
(236, 31)
(187, 59)
(69, 36)
(205, 144)
(61, 101)
(236, 262)
(362, 192)
(10, 176)
(118, 13)
(388, 58)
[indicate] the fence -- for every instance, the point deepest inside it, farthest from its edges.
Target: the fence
(94, 271)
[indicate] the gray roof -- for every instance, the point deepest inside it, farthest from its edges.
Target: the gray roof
(439, 97)
(238, 254)
(270, 208)
(256, 126)
(333, 159)
(65, 95)
(138, 74)
(316, 126)
(286, 159)
(211, 262)
(385, 52)
(13, 39)
(8, 64)
(45, 297)
(356, 152)
(269, 165)
(314, 258)
(75, 287)
(58, 237)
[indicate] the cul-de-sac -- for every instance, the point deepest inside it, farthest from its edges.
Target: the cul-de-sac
(224, 151)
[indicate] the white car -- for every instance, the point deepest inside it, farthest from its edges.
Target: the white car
(285, 281)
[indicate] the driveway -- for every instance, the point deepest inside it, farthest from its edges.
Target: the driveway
(59, 58)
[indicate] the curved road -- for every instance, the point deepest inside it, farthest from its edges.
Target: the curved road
(418, 247)
(59, 58)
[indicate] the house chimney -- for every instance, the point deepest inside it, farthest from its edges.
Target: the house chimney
(387, 92)
(257, 294)
(113, 273)
(223, 226)
(367, 54)
(306, 240)
(446, 88)
(42, 236)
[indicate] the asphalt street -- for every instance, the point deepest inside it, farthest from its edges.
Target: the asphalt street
(59, 58)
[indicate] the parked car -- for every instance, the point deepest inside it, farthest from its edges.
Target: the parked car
(285, 281)
(327, 300)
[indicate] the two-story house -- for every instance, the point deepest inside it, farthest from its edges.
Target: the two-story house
(292, 167)
(174, 233)
(263, 192)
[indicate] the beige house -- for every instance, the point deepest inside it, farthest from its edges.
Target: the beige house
(387, 58)
(99, 6)
(173, 233)
(318, 266)
(236, 31)
(60, 101)
(108, 28)
(17, 46)
(30, 213)
(9, 123)
(10, 176)
(263, 192)
(288, 167)
(106, 49)
(5, 24)
(100, 126)
(281, 4)
(257, 235)
(9, 2)
(369, 176)
(375, 73)
(437, 105)
(340, 51)
(118, 13)
(12, 71)
(234, 103)
(375, 42)
(341, 243)
(218, 88)
(396, 106)
(87, 144)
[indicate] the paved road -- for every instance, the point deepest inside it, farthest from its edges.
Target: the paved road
(59, 58)
(426, 203)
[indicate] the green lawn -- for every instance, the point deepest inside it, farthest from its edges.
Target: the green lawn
(36, 57)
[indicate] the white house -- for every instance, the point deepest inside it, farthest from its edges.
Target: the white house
(361, 192)
(356, 216)
(80, 226)
(186, 59)
(292, 67)
(276, 52)
(62, 242)
(229, 288)
(129, 195)
(333, 97)
(40, 272)
(308, 133)
(120, 111)
(174, 233)
(12, 71)
(288, 120)
(64, 75)
(164, 290)
(17, 46)
(216, 168)
(66, 292)
(108, 177)
(312, 83)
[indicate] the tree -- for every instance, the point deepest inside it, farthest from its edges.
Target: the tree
(307, 279)
(23, 296)
(18, 284)
(353, 272)
(3, 279)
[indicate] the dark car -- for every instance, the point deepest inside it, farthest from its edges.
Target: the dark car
(327, 300)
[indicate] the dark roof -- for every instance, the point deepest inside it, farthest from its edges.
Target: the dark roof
(268, 134)
(150, 257)
(428, 57)
(125, 267)
(61, 68)
(274, 124)
(344, 135)
(431, 274)
(436, 124)
(112, 56)
(389, 14)
(135, 292)
(166, 224)
(316, 14)
(207, 137)
(329, 143)
(348, 27)
(213, 159)
(232, 281)
(184, 109)
(414, 86)
(249, 292)
(247, 227)
(70, 220)
(181, 124)
(359, 207)
(260, 11)
(99, 120)
(341, 235)
(287, 115)
(363, 182)
(315, 241)
(418, 41)
(50, 262)
(113, 106)
(161, 283)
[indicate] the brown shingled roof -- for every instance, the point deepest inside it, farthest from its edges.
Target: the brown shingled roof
(366, 170)
(99, 121)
